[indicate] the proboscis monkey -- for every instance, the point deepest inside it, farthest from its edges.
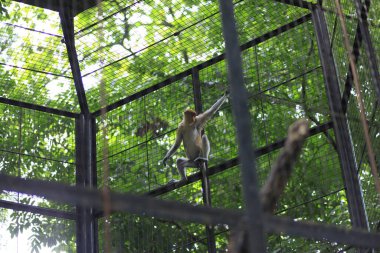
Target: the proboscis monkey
(197, 146)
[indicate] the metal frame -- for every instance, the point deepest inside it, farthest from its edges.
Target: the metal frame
(37, 210)
(88, 198)
(67, 21)
(92, 198)
(203, 65)
(341, 130)
(255, 228)
(86, 177)
(75, 6)
(361, 10)
(206, 194)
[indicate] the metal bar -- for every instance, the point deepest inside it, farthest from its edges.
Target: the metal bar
(234, 162)
(35, 70)
(197, 90)
(298, 3)
(80, 181)
(203, 65)
(349, 78)
(206, 193)
(343, 139)
(93, 183)
(148, 206)
(256, 237)
(107, 17)
(37, 210)
(67, 22)
(32, 30)
(38, 107)
(361, 11)
(86, 177)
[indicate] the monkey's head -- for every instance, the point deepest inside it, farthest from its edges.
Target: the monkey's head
(189, 116)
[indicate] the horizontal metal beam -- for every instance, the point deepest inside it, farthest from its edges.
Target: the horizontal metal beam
(38, 107)
(203, 65)
(148, 206)
(37, 210)
(232, 163)
(74, 6)
(298, 3)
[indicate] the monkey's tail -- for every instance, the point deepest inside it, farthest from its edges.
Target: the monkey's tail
(282, 168)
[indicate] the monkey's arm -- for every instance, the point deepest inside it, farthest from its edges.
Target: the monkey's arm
(204, 117)
(175, 146)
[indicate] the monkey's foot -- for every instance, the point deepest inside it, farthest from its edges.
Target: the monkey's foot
(200, 159)
(174, 181)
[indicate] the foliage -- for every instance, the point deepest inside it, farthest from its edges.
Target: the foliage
(147, 43)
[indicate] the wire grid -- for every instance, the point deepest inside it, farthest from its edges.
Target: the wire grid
(284, 243)
(35, 137)
(34, 65)
(374, 27)
(318, 167)
(336, 37)
(59, 234)
(141, 132)
(366, 178)
(195, 234)
(369, 96)
(145, 234)
(186, 41)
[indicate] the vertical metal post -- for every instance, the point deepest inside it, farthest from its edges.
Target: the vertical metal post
(206, 193)
(362, 12)
(239, 98)
(343, 139)
(86, 223)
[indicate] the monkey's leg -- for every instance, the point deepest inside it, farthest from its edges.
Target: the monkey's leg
(205, 150)
(182, 164)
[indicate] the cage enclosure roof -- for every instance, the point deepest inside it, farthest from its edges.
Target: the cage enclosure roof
(124, 46)
(74, 6)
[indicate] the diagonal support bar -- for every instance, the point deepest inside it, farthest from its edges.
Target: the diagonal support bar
(67, 22)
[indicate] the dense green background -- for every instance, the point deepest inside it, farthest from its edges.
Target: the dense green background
(133, 48)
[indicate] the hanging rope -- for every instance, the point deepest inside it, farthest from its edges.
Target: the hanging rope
(363, 119)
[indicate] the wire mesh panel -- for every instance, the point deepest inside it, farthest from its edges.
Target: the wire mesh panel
(374, 26)
(40, 143)
(144, 234)
(140, 64)
(350, 94)
(28, 232)
(34, 65)
(140, 133)
(142, 36)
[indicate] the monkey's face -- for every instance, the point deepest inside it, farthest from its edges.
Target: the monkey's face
(189, 116)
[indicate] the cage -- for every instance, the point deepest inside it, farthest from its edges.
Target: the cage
(92, 93)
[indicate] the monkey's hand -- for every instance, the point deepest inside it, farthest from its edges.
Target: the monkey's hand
(164, 160)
